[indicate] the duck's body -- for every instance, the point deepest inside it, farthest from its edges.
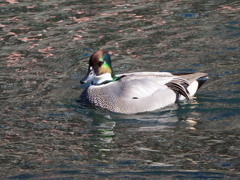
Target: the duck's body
(136, 92)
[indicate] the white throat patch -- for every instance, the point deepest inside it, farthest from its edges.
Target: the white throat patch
(101, 78)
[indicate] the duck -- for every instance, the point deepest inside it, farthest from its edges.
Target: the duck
(136, 92)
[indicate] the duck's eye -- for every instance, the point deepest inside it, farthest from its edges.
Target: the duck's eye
(100, 63)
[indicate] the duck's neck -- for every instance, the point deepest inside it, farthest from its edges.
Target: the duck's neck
(101, 79)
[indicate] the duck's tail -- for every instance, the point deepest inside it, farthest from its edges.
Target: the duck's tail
(196, 80)
(202, 80)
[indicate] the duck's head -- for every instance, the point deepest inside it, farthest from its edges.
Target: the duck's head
(99, 69)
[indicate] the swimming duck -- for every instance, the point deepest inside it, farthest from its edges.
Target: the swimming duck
(131, 93)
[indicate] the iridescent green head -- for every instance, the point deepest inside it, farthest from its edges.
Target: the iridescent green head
(100, 68)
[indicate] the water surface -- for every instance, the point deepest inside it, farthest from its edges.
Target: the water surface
(45, 47)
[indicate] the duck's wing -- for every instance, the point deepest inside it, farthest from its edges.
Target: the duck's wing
(145, 83)
(134, 95)
(141, 85)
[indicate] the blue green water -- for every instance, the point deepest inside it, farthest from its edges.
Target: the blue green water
(44, 51)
